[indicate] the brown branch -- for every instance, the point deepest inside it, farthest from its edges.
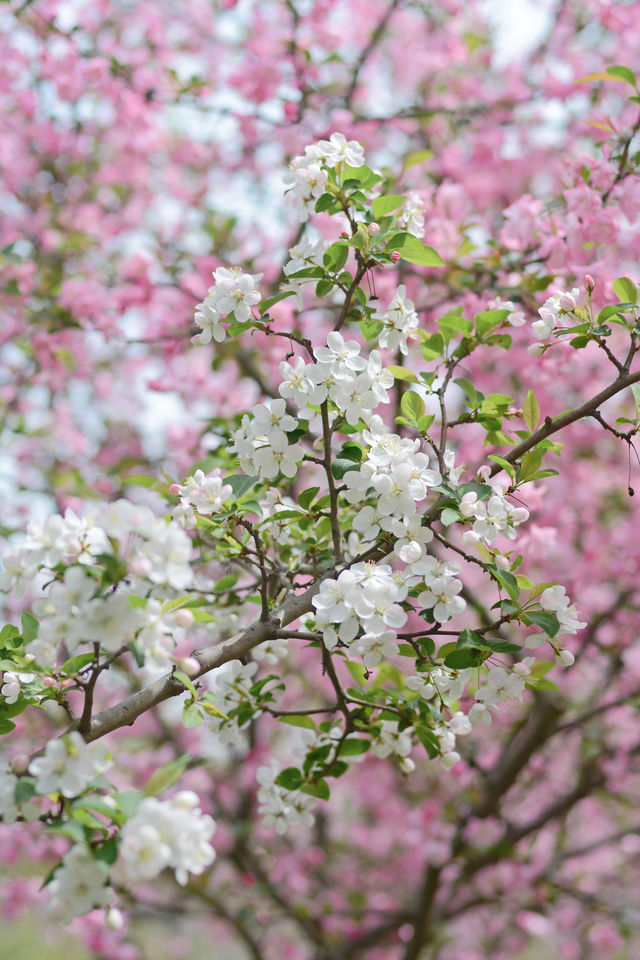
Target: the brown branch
(553, 426)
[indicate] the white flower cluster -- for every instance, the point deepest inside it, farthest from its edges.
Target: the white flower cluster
(67, 539)
(12, 684)
(411, 217)
(502, 685)
(262, 444)
(68, 765)
(442, 587)
(231, 686)
(280, 808)
(399, 322)
(355, 385)
(555, 600)
(516, 316)
(233, 296)
(308, 175)
(367, 597)
(392, 740)
(400, 477)
(493, 517)
(204, 493)
(304, 255)
(79, 884)
(550, 312)
(167, 833)
(72, 612)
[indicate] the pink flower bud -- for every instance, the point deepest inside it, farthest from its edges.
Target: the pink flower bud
(190, 666)
(373, 229)
(395, 256)
(175, 489)
(140, 566)
(184, 618)
(588, 282)
(20, 764)
(49, 682)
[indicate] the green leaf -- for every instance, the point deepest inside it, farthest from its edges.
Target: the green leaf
(336, 256)
(432, 346)
(224, 584)
(290, 778)
(504, 464)
(622, 73)
(165, 777)
(186, 682)
(6, 726)
(531, 411)
(452, 324)
(77, 663)
(191, 715)
(354, 747)
(412, 405)
(425, 422)
(240, 484)
(546, 621)
(341, 466)
(508, 581)
(482, 490)
(8, 633)
(29, 627)
(503, 646)
(370, 329)
(401, 373)
(625, 290)
(307, 497)
(469, 640)
(25, 789)
(384, 205)
(318, 788)
(487, 319)
(357, 671)
(299, 721)
(108, 852)
(414, 251)
(129, 801)
(461, 659)
(428, 740)
(212, 710)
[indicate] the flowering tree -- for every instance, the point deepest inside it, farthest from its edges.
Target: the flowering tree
(320, 601)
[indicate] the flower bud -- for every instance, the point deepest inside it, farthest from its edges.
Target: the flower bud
(20, 764)
(588, 282)
(536, 349)
(184, 618)
(410, 552)
(140, 566)
(407, 765)
(190, 666)
(174, 489)
(470, 538)
(565, 658)
(502, 563)
(49, 682)
(395, 256)
(114, 919)
(567, 301)
(373, 229)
